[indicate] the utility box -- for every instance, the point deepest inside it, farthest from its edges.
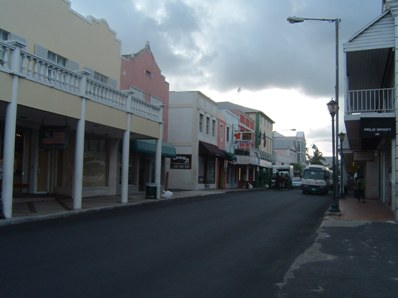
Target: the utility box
(151, 191)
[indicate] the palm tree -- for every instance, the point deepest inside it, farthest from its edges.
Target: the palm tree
(317, 158)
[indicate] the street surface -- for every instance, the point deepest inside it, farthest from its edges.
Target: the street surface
(237, 244)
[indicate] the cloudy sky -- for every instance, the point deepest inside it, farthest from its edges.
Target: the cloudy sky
(219, 46)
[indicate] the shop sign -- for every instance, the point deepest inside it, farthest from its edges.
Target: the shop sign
(363, 155)
(243, 137)
(181, 162)
(378, 127)
(53, 137)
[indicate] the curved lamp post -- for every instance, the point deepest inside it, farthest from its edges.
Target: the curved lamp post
(333, 110)
(341, 137)
(294, 20)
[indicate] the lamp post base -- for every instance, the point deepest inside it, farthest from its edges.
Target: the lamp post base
(334, 209)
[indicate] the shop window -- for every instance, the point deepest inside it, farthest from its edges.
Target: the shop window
(95, 172)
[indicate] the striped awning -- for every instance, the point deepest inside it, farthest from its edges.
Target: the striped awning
(149, 147)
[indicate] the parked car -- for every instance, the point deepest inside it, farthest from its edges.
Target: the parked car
(296, 182)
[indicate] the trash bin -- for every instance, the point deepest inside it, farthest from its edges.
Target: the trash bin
(151, 190)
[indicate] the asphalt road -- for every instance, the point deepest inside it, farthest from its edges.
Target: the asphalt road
(233, 245)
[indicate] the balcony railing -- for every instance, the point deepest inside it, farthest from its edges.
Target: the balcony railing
(47, 73)
(370, 100)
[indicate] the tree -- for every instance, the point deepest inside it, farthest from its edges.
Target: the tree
(297, 168)
(317, 158)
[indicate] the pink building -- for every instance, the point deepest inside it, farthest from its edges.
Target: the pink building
(140, 72)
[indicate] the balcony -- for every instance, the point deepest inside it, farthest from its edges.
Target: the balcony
(38, 70)
(370, 101)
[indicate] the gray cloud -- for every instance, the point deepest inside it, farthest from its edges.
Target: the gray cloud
(223, 45)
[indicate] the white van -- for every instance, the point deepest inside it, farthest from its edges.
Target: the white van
(316, 179)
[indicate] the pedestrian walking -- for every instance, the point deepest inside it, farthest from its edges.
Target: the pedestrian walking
(360, 188)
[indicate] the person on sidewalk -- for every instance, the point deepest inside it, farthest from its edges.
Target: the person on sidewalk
(361, 189)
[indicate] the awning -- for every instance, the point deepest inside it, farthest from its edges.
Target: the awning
(149, 147)
(210, 149)
(229, 156)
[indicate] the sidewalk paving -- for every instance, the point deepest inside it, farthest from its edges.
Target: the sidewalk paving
(28, 208)
(36, 207)
(353, 255)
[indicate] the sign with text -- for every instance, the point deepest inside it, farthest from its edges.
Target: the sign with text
(53, 137)
(378, 127)
(181, 162)
(244, 137)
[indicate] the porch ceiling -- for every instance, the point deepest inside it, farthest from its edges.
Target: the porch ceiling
(353, 128)
(368, 69)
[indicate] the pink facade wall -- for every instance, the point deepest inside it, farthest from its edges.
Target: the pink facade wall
(141, 71)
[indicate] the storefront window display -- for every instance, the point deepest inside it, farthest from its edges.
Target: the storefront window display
(95, 172)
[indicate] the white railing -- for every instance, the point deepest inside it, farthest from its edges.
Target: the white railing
(106, 95)
(45, 72)
(5, 56)
(370, 100)
(42, 71)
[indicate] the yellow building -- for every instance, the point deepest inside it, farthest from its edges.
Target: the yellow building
(65, 126)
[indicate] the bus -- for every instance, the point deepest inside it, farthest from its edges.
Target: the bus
(316, 179)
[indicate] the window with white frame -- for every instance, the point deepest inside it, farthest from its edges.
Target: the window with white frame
(57, 59)
(100, 77)
(207, 125)
(221, 133)
(4, 35)
(201, 122)
(228, 132)
(213, 128)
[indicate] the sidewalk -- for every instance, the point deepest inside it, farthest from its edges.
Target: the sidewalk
(372, 210)
(36, 207)
(353, 255)
(30, 207)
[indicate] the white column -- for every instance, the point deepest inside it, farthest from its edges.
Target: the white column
(394, 155)
(9, 135)
(126, 155)
(79, 152)
(158, 166)
(393, 178)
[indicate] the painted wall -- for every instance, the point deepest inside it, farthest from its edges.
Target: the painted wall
(141, 71)
(184, 134)
(54, 25)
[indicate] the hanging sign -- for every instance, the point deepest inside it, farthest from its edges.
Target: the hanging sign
(243, 137)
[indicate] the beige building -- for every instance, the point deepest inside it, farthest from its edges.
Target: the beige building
(65, 126)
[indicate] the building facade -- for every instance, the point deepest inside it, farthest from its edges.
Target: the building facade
(290, 149)
(65, 124)
(371, 106)
(194, 130)
(254, 153)
(141, 75)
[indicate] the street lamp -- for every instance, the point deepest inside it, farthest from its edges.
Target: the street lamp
(341, 137)
(333, 110)
(294, 20)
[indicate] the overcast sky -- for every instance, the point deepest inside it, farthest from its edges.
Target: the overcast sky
(286, 71)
